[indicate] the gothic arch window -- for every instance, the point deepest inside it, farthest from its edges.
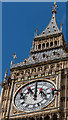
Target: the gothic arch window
(27, 71)
(39, 46)
(54, 117)
(55, 43)
(34, 70)
(47, 44)
(47, 118)
(57, 65)
(32, 118)
(17, 74)
(22, 72)
(43, 45)
(43, 55)
(52, 66)
(46, 67)
(39, 118)
(39, 68)
(51, 44)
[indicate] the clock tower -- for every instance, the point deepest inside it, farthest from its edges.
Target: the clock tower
(37, 88)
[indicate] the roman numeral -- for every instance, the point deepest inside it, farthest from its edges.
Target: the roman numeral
(22, 102)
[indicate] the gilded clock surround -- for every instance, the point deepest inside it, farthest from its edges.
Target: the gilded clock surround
(29, 84)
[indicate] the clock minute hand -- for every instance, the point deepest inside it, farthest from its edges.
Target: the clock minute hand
(29, 90)
(35, 95)
(42, 92)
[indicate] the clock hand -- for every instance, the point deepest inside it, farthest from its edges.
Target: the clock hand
(35, 94)
(29, 90)
(41, 92)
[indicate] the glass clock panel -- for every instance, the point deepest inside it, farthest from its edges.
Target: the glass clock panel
(34, 95)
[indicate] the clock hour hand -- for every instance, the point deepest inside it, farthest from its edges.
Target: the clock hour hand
(35, 94)
(29, 90)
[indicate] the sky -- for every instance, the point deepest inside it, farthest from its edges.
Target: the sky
(19, 21)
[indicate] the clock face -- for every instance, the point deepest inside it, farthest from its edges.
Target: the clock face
(34, 95)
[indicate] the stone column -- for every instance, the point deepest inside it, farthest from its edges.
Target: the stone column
(35, 118)
(2, 91)
(7, 100)
(53, 42)
(10, 95)
(35, 46)
(50, 116)
(58, 115)
(65, 91)
(49, 42)
(45, 45)
(43, 117)
(41, 46)
(62, 65)
(59, 88)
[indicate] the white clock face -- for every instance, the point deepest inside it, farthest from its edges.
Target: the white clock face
(34, 95)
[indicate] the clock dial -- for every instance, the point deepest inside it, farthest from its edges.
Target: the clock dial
(34, 95)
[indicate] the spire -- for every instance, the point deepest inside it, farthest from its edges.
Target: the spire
(52, 27)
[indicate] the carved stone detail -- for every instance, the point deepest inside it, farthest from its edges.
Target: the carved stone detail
(52, 105)
(14, 111)
(17, 86)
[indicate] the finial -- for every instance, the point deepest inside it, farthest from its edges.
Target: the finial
(61, 26)
(5, 75)
(36, 31)
(54, 7)
(11, 62)
(14, 57)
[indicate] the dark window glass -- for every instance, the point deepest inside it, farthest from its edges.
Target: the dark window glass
(39, 46)
(47, 44)
(51, 44)
(43, 45)
(55, 43)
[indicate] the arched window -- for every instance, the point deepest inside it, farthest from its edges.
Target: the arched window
(55, 43)
(33, 70)
(39, 46)
(51, 43)
(54, 117)
(39, 68)
(47, 118)
(32, 118)
(39, 118)
(22, 72)
(47, 44)
(43, 45)
(43, 55)
(46, 67)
